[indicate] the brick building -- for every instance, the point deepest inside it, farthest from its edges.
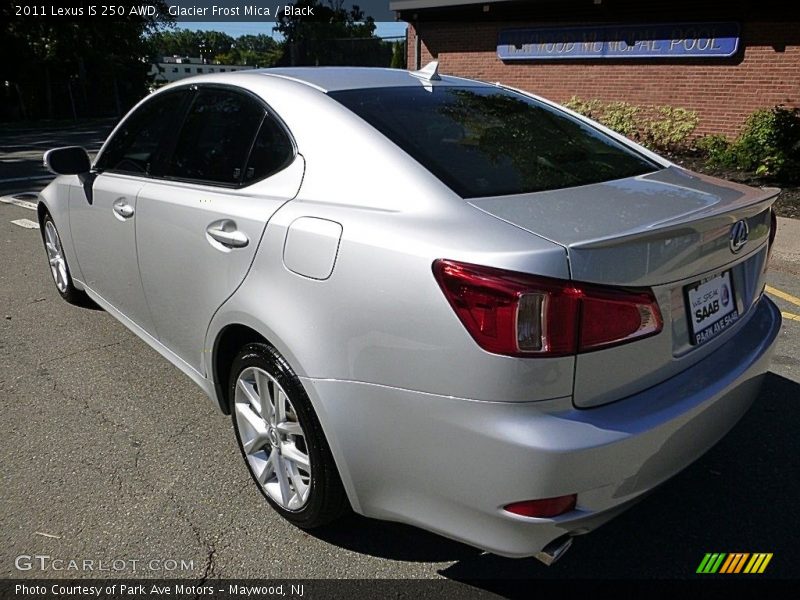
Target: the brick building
(721, 59)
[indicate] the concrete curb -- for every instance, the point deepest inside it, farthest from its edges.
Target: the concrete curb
(787, 241)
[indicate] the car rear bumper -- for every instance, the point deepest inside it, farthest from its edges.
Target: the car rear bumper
(449, 464)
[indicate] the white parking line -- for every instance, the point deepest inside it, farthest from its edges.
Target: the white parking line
(18, 202)
(26, 223)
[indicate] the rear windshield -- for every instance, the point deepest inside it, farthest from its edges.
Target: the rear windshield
(492, 142)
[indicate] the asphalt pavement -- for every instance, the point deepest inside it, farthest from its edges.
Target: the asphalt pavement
(107, 452)
(21, 150)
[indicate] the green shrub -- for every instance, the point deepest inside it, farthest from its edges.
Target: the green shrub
(587, 108)
(717, 150)
(663, 128)
(623, 118)
(769, 144)
(669, 128)
(619, 116)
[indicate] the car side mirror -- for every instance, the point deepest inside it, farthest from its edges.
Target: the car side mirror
(71, 160)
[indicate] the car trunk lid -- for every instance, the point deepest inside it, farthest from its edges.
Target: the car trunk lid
(640, 231)
(669, 231)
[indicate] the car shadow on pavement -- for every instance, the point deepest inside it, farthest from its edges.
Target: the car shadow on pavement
(393, 541)
(88, 303)
(741, 496)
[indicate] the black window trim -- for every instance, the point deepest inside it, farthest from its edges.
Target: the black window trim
(169, 148)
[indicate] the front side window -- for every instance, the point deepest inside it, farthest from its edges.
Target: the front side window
(485, 141)
(134, 146)
(216, 137)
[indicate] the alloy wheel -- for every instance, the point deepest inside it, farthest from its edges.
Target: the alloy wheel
(272, 438)
(55, 254)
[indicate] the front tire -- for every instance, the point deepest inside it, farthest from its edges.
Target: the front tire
(281, 439)
(59, 268)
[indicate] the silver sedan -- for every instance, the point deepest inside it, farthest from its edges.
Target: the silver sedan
(424, 298)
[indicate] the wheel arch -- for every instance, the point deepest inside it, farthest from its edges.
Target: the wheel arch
(41, 212)
(54, 201)
(228, 341)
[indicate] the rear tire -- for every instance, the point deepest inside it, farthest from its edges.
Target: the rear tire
(281, 439)
(59, 268)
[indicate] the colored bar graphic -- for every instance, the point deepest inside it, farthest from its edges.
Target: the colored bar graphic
(767, 558)
(707, 566)
(728, 562)
(740, 566)
(704, 563)
(757, 558)
(723, 563)
(717, 564)
(740, 563)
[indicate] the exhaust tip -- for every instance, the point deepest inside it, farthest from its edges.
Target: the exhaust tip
(554, 550)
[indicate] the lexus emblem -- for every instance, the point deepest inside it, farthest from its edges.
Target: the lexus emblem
(739, 234)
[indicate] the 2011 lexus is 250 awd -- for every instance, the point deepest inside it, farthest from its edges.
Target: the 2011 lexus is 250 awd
(429, 299)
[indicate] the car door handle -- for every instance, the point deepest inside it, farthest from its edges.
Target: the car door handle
(122, 208)
(225, 232)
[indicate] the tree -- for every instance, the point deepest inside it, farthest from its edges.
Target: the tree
(76, 67)
(334, 36)
(399, 55)
(216, 47)
(257, 43)
(261, 50)
(182, 42)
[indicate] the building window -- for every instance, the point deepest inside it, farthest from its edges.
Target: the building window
(222, 70)
(174, 69)
(199, 70)
(187, 70)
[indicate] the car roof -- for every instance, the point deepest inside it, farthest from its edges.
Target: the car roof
(333, 79)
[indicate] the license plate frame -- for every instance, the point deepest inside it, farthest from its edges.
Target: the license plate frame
(710, 307)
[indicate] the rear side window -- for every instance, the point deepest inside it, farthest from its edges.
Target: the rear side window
(135, 145)
(216, 137)
(483, 141)
(272, 151)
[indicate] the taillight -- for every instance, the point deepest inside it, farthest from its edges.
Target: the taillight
(610, 317)
(524, 315)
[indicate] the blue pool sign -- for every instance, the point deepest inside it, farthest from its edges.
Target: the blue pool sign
(661, 40)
